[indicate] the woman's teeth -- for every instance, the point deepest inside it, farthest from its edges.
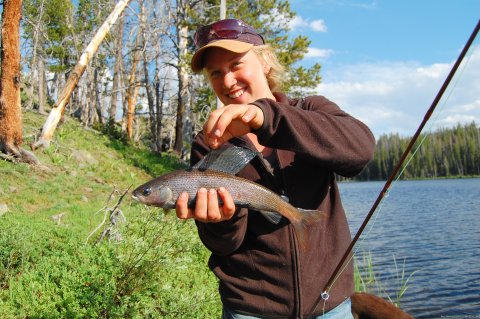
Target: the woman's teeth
(235, 94)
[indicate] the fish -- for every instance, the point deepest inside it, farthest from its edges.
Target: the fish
(217, 169)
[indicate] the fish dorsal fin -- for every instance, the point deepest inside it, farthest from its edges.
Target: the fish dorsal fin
(227, 159)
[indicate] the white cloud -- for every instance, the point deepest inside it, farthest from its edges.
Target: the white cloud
(368, 5)
(393, 97)
(300, 23)
(318, 53)
(297, 22)
(318, 26)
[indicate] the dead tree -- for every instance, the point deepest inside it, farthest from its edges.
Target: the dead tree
(75, 75)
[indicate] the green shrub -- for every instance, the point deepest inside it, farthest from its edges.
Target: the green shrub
(48, 269)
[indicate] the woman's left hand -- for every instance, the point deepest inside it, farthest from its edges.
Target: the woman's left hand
(230, 121)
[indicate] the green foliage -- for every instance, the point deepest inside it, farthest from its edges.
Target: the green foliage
(364, 276)
(47, 267)
(449, 152)
(53, 19)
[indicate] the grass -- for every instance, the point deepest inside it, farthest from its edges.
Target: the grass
(367, 281)
(47, 267)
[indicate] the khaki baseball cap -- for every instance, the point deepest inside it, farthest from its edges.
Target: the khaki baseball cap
(229, 34)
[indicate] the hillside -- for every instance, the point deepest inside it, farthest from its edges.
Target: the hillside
(151, 265)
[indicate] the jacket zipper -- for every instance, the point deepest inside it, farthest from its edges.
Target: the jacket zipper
(293, 241)
(296, 260)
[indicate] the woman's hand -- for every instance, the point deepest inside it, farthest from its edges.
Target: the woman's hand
(207, 209)
(231, 121)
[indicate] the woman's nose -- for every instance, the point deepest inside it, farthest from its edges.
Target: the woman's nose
(229, 80)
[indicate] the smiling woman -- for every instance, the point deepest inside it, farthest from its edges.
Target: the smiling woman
(301, 144)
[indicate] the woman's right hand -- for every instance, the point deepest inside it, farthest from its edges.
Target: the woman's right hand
(231, 121)
(207, 209)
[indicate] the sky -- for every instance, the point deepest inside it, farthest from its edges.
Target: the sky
(384, 61)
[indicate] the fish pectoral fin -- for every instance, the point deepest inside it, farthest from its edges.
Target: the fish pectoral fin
(272, 217)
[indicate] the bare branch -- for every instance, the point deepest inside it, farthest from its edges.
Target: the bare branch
(114, 214)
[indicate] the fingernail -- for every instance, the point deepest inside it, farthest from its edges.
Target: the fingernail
(217, 133)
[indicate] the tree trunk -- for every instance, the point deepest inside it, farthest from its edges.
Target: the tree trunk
(159, 97)
(183, 83)
(132, 94)
(133, 87)
(56, 113)
(42, 87)
(98, 103)
(117, 69)
(11, 136)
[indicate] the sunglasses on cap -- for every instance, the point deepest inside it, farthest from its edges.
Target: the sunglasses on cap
(227, 29)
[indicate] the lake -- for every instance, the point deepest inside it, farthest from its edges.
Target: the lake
(430, 228)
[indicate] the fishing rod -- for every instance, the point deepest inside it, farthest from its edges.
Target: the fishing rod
(324, 295)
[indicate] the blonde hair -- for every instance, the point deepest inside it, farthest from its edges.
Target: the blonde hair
(276, 76)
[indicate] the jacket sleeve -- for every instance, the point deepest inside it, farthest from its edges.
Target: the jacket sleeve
(225, 237)
(319, 130)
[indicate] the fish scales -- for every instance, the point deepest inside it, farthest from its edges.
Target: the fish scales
(244, 192)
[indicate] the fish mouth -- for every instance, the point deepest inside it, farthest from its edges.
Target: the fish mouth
(135, 197)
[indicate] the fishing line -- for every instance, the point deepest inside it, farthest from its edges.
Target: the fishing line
(395, 174)
(439, 112)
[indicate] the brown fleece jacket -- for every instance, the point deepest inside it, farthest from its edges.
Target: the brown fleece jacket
(262, 270)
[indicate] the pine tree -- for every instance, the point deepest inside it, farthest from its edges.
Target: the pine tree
(10, 109)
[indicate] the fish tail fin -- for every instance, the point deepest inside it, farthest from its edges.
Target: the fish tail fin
(307, 217)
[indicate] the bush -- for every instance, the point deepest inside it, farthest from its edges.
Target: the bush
(158, 270)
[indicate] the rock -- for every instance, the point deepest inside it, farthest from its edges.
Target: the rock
(58, 218)
(84, 157)
(3, 209)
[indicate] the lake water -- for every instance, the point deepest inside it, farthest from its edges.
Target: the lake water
(429, 228)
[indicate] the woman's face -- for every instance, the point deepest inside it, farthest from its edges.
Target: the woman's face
(237, 78)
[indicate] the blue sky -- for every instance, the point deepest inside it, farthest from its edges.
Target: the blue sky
(384, 61)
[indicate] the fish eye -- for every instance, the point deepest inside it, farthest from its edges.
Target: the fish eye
(147, 191)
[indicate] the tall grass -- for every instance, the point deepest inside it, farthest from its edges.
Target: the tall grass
(367, 281)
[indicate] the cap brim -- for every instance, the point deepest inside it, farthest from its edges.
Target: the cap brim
(230, 45)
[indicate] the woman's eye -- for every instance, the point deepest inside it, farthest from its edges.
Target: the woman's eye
(214, 74)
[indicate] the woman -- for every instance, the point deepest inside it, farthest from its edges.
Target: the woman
(262, 271)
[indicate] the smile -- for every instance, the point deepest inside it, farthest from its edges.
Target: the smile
(236, 94)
